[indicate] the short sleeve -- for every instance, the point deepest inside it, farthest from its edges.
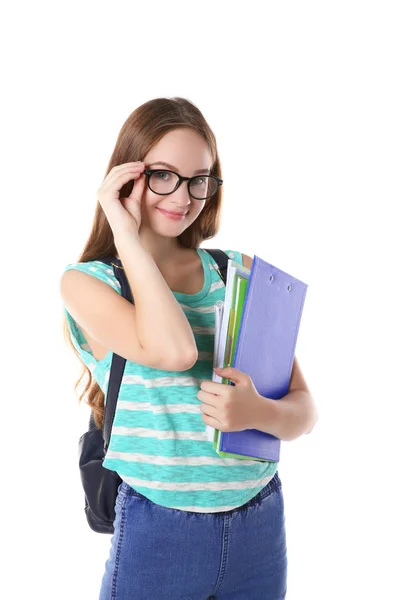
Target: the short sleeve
(235, 255)
(106, 274)
(100, 270)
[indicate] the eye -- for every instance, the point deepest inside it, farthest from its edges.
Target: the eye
(163, 175)
(199, 180)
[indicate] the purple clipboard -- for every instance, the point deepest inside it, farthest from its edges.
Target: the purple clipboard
(266, 347)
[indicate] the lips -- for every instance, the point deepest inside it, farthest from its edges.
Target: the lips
(170, 212)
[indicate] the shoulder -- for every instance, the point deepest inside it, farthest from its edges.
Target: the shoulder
(247, 261)
(97, 269)
(239, 257)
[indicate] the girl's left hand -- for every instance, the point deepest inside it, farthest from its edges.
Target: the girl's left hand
(227, 407)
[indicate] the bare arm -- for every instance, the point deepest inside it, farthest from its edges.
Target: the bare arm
(289, 417)
(162, 326)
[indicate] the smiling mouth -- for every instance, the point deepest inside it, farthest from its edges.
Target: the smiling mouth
(174, 214)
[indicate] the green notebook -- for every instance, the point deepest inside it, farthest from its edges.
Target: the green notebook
(229, 342)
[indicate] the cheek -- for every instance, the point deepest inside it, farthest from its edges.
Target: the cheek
(148, 202)
(195, 210)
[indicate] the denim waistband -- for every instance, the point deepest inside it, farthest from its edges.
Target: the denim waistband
(270, 487)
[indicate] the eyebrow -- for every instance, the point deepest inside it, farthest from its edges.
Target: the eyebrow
(160, 162)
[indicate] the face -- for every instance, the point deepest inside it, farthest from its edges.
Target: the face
(187, 152)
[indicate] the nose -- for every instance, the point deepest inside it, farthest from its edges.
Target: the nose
(181, 196)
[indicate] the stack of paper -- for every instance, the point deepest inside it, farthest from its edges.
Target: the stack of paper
(222, 313)
(256, 330)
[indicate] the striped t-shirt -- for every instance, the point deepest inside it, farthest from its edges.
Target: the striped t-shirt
(159, 443)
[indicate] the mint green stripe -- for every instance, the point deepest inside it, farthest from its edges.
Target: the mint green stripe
(160, 422)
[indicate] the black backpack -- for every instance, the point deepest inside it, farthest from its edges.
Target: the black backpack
(100, 485)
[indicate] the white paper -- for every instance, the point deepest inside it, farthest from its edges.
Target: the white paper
(219, 309)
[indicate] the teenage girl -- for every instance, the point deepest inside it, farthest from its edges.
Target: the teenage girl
(189, 524)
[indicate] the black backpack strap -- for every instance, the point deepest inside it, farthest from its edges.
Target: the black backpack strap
(221, 258)
(118, 362)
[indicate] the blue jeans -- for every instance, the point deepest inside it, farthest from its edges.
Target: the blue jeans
(161, 553)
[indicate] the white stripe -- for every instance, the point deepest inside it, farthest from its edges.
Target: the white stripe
(199, 309)
(216, 286)
(200, 486)
(169, 434)
(180, 460)
(203, 330)
(126, 405)
(162, 381)
(160, 408)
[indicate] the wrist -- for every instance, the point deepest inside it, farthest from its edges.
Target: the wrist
(265, 417)
(122, 234)
(126, 239)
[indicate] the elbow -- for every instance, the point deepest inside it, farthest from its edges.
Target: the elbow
(314, 421)
(189, 361)
(183, 361)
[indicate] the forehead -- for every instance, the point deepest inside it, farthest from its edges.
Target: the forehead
(183, 148)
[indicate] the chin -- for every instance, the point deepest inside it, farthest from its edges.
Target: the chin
(172, 229)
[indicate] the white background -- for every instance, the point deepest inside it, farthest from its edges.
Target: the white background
(304, 100)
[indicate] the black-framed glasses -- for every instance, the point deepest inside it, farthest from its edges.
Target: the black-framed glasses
(164, 181)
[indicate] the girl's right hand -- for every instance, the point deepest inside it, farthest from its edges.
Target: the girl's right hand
(123, 214)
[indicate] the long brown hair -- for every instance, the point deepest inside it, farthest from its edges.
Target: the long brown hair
(141, 131)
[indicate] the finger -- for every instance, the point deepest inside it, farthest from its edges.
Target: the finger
(138, 188)
(128, 165)
(231, 373)
(120, 178)
(134, 170)
(212, 419)
(209, 409)
(211, 387)
(205, 397)
(121, 170)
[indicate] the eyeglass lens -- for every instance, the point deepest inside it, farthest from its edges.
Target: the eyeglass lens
(201, 187)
